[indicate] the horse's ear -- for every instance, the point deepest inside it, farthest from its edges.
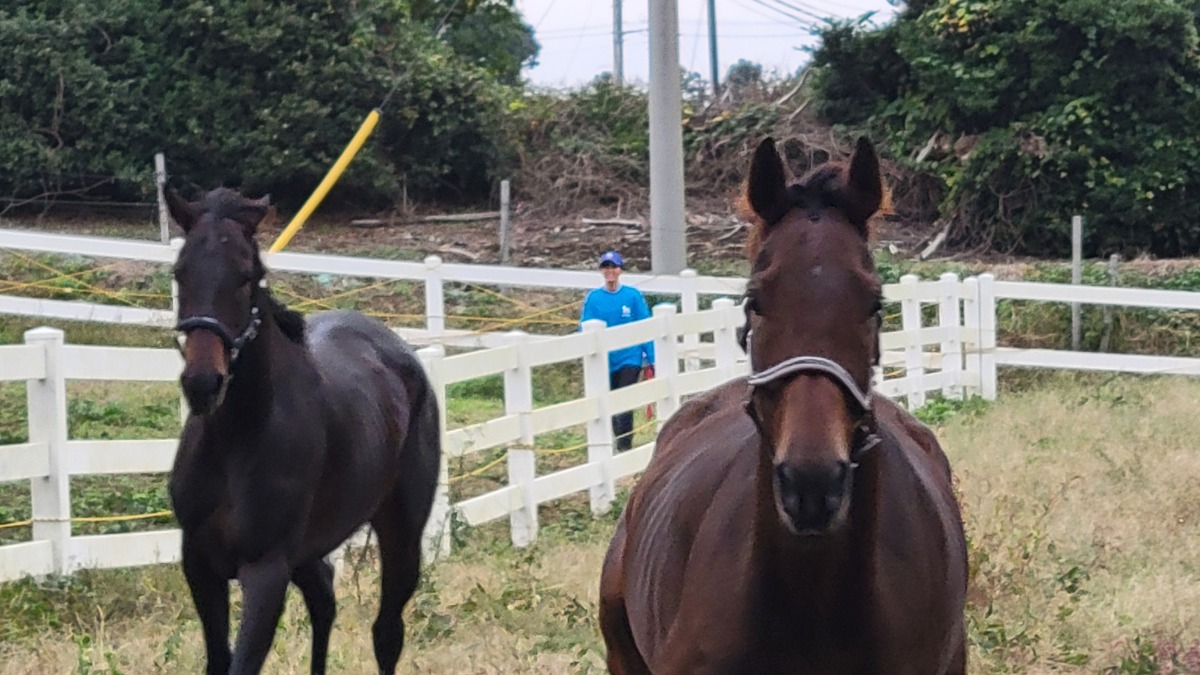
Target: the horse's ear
(864, 184)
(183, 212)
(253, 213)
(766, 190)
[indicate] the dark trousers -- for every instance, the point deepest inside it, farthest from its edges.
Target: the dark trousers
(622, 423)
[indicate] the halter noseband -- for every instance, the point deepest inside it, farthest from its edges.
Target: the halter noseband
(233, 345)
(865, 436)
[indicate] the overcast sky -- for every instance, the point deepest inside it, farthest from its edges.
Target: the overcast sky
(577, 40)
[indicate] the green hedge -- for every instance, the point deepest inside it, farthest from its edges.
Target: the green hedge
(262, 95)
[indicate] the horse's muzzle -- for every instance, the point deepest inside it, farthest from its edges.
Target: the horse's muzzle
(204, 392)
(812, 499)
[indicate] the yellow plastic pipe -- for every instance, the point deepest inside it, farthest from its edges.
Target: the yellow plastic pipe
(335, 172)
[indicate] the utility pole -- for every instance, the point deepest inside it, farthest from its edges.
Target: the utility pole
(668, 234)
(714, 69)
(618, 44)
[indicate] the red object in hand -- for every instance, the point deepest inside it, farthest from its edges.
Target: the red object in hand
(648, 374)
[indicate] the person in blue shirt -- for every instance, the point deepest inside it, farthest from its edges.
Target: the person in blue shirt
(615, 304)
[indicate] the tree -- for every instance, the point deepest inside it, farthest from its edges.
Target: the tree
(1035, 110)
(262, 95)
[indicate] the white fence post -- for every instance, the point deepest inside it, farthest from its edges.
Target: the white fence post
(689, 303)
(971, 370)
(599, 429)
(725, 337)
(666, 357)
(949, 320)
(46, 401)
(987, 336)
(436, 540)
(435, 299)
(522, 461)
(176, 246)
(914, 369)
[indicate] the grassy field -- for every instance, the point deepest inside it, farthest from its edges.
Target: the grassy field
(1082, 500)
(1081, 494)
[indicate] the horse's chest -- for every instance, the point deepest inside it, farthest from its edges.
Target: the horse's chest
(237, 505)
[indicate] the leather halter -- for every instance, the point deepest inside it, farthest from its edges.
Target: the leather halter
(233, 345)
(865, 435)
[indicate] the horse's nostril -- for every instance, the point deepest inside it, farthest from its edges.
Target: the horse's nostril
(812, 496)
(787, 475)
(202, 389)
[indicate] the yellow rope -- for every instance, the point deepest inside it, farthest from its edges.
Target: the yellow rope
(511, 299)
(352, 291)
(95, 519)
(99, 291)
(481, 470)
(117, 519)
(529, 318)
(545, 452)
(50, 285)
(60, 275)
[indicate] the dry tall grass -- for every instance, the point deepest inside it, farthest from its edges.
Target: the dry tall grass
(1082, 500)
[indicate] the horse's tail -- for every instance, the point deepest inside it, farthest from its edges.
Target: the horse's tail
(423, 445)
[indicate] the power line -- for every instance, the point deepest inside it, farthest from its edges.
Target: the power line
(806, 21)
(774, 19)
(543, 17)
(696, 44)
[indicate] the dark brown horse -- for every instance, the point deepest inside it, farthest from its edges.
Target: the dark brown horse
(793, 521)
(297, 435)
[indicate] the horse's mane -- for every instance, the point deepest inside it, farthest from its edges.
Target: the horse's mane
(290, 322)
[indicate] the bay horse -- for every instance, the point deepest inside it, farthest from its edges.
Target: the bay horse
(793, 521)
(298, 433)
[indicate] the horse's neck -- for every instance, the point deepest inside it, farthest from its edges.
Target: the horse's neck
(813, 572)
(251, 394)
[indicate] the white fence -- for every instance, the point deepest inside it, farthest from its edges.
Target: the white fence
(696, 350)
(944, 358)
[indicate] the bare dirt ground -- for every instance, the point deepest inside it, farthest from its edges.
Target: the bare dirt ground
(543, 237)
(539, 238)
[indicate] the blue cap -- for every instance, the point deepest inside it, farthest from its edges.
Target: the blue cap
(614, 258)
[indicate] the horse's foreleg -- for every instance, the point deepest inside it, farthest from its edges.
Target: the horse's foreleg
(315, 581)
(264, 585)
(210, 594)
